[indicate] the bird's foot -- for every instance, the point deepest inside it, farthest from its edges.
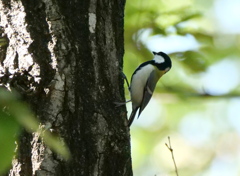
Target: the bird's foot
(125, 77)
(118, 104)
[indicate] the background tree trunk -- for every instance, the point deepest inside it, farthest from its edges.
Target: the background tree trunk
(64, 58)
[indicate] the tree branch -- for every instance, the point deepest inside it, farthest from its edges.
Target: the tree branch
(171, 150)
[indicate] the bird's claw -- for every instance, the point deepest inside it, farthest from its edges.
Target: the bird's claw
(118, 104)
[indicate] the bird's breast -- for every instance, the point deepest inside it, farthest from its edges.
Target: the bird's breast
(138, 82)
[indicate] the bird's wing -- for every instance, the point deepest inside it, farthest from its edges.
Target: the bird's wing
(148, 89)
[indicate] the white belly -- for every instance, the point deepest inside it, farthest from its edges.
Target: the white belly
(138, 83)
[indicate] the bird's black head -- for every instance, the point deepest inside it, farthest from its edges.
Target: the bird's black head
(162, 61)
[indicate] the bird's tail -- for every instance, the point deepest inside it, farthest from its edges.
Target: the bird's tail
(132, 116)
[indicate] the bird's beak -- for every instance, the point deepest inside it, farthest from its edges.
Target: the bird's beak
(166, 70)
(154, 52)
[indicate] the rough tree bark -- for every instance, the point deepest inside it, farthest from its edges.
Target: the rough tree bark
(64, 58)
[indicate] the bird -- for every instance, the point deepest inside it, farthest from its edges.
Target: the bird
(144, 80)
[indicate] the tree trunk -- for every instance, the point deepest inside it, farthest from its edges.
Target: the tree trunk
(65, 58)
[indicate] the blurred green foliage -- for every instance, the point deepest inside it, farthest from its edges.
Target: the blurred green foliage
(15, 115)
(198, 120)
(9, 131)
(185, 17)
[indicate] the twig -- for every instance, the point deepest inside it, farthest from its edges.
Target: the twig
(171, 150)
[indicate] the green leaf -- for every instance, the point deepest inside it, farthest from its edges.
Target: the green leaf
(9, 130)
(22, 116)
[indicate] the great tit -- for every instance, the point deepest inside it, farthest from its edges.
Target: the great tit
(144, 80)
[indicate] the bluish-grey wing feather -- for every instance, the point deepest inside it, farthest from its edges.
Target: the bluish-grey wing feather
(148, 90)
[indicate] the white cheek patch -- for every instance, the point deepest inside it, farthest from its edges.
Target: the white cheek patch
(158, 59)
